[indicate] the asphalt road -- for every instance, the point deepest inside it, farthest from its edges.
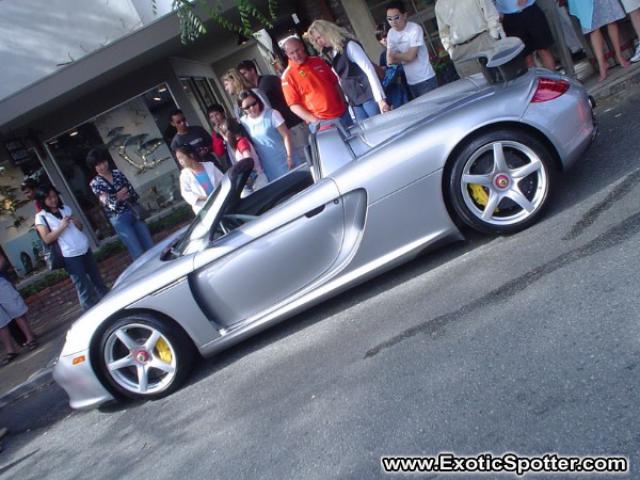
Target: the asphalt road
(528, 343)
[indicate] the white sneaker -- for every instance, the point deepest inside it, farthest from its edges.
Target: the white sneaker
(636, 56)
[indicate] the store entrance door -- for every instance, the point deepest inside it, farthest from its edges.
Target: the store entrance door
(70, 152)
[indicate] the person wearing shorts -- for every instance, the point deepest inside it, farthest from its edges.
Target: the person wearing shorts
(12, 306)
(524, 19)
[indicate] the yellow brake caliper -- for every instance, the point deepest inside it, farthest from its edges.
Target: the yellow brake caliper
(479, 195)
(164, 352)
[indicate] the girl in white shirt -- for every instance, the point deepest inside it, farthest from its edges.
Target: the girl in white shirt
(56, 223)
(198, 179)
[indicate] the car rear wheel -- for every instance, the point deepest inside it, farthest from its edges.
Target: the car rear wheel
(501, 181)
(142, 357)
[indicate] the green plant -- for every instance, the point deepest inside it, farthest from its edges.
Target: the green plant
(50, 279)
(10, 203)
(192, 24)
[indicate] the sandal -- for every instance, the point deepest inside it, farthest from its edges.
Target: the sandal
(8, 358)
(32, 345)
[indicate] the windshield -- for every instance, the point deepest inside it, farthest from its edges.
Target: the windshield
(198, 232)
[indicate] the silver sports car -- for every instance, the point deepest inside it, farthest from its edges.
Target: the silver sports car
(479, 153)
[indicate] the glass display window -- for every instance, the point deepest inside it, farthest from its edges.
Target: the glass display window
(137, 134)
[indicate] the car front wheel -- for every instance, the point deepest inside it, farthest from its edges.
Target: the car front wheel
(142, 357)
(500, 182)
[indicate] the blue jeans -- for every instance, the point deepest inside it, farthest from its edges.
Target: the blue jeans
(346, 119)
(396, 95)
(423, 87)
(85, 276)
(365, 110)
(134, 233)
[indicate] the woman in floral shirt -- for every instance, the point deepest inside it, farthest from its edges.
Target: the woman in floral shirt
(116, 196)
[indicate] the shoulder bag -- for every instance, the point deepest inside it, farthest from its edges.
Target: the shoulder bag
(52, 253)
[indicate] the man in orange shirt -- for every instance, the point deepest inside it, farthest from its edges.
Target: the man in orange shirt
(310, 87)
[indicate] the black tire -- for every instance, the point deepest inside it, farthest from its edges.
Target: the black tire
(136, 371)
(521, 196)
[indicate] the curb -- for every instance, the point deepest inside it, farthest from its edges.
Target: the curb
(41, 378)
(615, 86)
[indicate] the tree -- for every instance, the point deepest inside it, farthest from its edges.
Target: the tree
(192, 23)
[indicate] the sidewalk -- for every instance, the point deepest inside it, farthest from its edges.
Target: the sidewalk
(33, 369)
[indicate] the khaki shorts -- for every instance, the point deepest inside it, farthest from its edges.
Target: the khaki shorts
(11, 303)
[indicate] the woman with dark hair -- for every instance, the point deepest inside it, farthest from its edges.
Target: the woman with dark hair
(198, 179)
(117, 197)
(269, 134)
(56, 223)
(242, 147)
(234, 84)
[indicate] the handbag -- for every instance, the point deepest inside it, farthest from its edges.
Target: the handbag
(138, 211)
(52, 253)
(390, 75)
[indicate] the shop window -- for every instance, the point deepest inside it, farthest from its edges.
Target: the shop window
(19, 241)
(137, 134)
(201, 95)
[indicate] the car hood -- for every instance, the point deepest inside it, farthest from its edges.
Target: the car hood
(149, 262)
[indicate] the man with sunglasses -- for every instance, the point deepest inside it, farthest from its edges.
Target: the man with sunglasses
(405, 46)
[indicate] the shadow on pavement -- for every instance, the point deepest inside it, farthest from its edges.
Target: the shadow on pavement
(36, 411)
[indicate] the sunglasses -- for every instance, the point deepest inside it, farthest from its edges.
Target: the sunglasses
(249, 105)
(393, 19)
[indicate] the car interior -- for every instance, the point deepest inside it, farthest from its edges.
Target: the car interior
(242, 210)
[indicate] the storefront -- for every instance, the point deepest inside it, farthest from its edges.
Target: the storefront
(121, 105)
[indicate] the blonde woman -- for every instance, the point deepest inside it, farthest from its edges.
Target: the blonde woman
(233, 84)
(358, 77)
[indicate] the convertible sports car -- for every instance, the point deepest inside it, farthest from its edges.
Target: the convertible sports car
(478, 153)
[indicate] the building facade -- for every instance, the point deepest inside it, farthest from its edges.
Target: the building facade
(104, 77)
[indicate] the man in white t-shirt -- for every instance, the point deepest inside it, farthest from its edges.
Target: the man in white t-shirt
(405, 45)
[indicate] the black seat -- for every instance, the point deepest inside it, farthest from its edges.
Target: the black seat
(274, 193)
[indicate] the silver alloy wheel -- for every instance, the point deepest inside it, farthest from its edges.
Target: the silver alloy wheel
(501, 180)
(140, 359)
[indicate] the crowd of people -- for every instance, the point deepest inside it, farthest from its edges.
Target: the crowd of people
(271, 114)
(61, 231)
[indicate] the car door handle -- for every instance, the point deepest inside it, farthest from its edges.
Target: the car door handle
(314, 212)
